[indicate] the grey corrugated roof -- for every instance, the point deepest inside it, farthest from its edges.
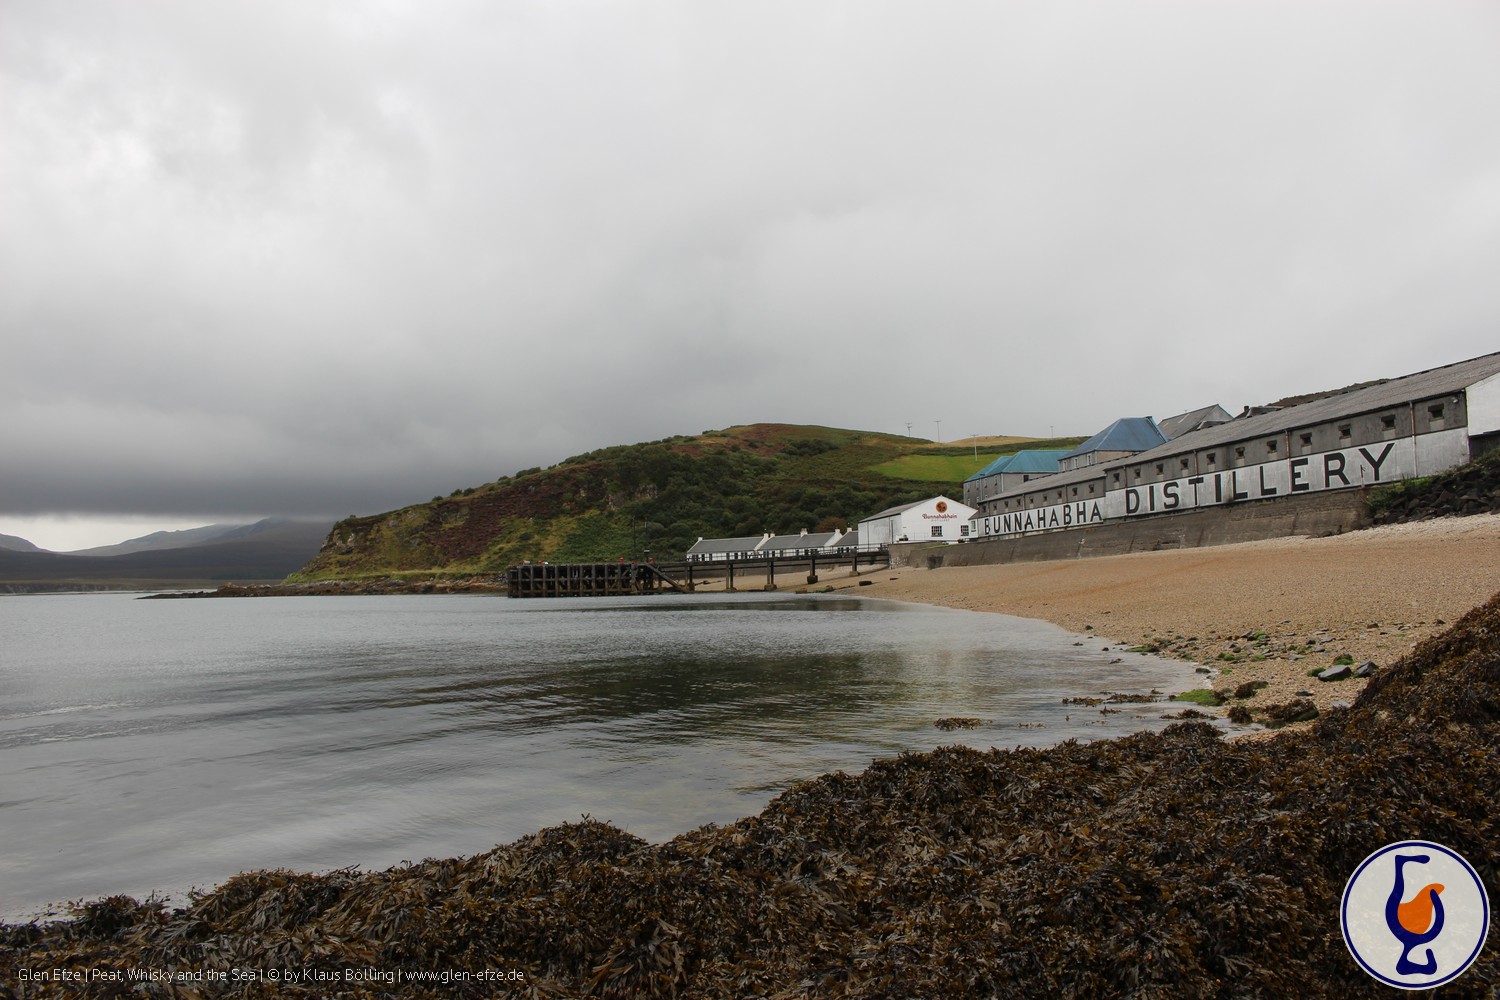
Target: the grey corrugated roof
(1125, 434)
(743, 544)
(1422, 385)
(797, 541)
(895, 510)
(1434, 382)
(1193, 419)
(1061, 480)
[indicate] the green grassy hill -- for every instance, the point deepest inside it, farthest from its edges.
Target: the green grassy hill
(662, 495)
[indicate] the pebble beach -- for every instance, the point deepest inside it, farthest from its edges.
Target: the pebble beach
(1268, 611)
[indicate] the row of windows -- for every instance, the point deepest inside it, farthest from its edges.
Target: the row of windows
(1436, 420)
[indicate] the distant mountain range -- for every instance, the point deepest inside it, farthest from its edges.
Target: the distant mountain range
(11, 543)
(197, 557)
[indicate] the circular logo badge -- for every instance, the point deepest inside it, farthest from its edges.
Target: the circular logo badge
(942, 507)
(1415, 914)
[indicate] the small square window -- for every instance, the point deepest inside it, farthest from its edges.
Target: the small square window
(1075, 491)
(1388, 422)
(1271, 447)
(1345, 433)
(937, 531)
(1182, 463)
(1435, 412)
(1239, 453)
(1213, 457)
(1091, 489)
(1161, 468)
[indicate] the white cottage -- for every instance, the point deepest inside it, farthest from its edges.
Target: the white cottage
(938, 519)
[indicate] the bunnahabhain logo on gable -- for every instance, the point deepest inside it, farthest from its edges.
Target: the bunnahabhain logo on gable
(942, 506)
(1415, 914)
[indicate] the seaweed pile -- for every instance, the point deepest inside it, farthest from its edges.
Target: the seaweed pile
(1162, 864)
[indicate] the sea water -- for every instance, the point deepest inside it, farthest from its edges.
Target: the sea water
(160, 745)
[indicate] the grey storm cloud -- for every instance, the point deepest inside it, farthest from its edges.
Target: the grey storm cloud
(322, 258)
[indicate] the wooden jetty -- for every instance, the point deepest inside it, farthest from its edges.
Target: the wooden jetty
(587, 580)
(622, 579)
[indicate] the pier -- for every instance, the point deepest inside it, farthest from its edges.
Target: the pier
(622, 579)
(587, 580)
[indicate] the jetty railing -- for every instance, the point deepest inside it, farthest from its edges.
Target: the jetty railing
(624, 579)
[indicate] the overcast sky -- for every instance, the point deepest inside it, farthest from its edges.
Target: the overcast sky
(329, 258)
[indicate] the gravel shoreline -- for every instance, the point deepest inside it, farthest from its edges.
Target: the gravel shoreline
(1267, 611)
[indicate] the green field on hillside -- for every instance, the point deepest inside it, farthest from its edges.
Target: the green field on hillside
(947, 469)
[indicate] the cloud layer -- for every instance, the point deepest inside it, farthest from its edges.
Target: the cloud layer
(281, 258)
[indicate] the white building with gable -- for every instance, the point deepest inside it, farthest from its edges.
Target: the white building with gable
(938, 519)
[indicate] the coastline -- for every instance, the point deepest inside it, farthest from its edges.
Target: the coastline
(1269, 611)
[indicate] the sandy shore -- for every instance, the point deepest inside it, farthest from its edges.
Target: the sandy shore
(1259, 611)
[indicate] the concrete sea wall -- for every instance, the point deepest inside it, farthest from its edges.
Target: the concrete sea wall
(1313, 514)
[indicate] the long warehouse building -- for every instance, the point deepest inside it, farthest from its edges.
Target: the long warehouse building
(1412, 426)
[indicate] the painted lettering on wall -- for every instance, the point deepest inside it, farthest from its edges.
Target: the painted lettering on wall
(1367, 465)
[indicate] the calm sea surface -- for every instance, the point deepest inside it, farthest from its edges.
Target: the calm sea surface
(162, 745)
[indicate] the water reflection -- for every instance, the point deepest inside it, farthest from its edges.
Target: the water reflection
(153, 745)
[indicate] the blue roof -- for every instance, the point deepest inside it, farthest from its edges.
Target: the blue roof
(1036, 460)
(994, 468)
(1030, 461)
(1126, 434)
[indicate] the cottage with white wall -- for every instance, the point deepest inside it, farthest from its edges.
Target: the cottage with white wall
(937, 519)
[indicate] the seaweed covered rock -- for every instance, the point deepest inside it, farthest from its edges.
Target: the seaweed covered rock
(1473, 488)
(1170, 864)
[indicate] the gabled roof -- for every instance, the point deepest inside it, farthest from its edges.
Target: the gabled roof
(744, 544)
(799, 541)
(1036, 460)
(1192, 420)
(1395, 392)
(849, 538)
(894, 510)
(908, 506)
(993, 469)
(1028, 461)
(1125, 434)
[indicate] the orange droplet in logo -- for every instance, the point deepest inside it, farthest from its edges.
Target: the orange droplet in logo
(1416, 915)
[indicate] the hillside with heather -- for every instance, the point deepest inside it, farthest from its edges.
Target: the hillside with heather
(661, 495)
